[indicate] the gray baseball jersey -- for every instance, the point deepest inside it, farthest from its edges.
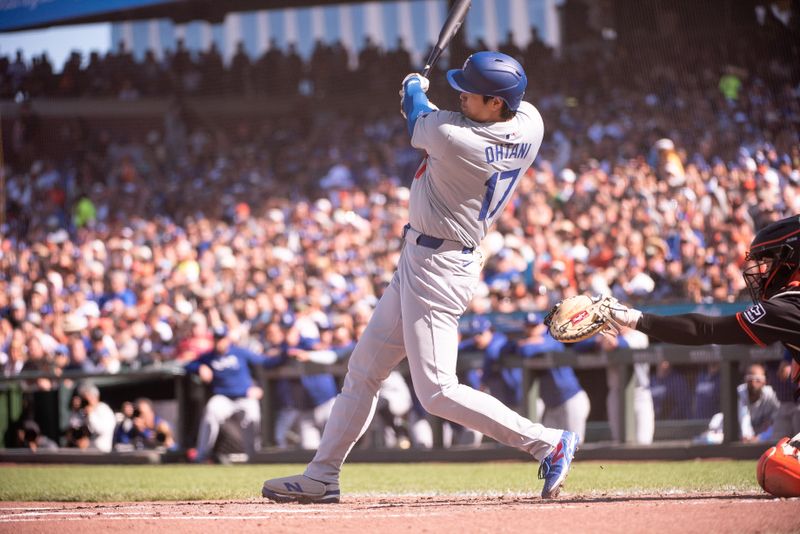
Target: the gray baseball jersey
(467, 178)
(470, 172)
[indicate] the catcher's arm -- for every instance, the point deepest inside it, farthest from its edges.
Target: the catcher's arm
(694, 329)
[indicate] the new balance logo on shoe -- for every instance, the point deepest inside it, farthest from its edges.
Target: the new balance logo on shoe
(293, 487)
(300, 488)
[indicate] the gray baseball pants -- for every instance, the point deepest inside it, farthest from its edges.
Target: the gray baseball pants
(417, 317)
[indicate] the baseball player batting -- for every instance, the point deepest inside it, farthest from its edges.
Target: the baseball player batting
(475, 159)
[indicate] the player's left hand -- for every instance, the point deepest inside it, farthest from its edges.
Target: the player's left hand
(424, 82)
(424, 85)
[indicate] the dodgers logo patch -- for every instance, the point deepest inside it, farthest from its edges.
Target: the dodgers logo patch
(754, 313)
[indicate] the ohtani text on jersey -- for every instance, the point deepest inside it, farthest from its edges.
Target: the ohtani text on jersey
(508, 151)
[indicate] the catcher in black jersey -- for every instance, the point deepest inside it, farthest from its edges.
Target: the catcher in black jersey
(774, 283)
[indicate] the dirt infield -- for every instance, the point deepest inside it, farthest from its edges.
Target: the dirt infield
(692, 513)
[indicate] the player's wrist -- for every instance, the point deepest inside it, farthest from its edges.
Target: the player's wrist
(412, 87)
(624, 316)
(634, 316)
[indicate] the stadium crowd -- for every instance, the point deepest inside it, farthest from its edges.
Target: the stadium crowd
(131, 249)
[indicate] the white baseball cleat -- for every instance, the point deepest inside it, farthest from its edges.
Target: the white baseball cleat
(300, 488)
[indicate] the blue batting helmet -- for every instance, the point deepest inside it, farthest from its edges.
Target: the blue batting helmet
(491, 74)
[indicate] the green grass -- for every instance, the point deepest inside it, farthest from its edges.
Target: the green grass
(190, 482)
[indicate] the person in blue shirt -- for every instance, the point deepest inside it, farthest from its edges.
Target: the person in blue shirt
(670, 392)
(226, 369)
(479, 336)
(787, 420)
(119, 291)
(566, 404)
(305, 403)
(707, 392)
(504, 384)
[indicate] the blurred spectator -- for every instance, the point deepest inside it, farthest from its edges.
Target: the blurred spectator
(26, 129)
(670, 391)
(566, 404)
(197, 341)
(118, 292)
(141, 428)
(91, 421)
(102, 355)
(707, 392)
(28, 435)
(758, 405)
(668, 163)
(730, 85)
(305, 403)
(14, 357)
(787, 419)
(757, 408)
(643, 412)
(390, 424)
(501, 382)
(38, 361)
(225, 369)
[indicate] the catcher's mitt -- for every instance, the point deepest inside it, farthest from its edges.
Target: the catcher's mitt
(580, 317)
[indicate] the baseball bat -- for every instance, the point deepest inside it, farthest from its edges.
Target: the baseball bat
(451, 26)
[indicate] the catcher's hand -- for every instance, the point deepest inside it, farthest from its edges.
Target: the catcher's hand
(580, 317)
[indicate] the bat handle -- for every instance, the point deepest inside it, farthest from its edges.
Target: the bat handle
(432, 59)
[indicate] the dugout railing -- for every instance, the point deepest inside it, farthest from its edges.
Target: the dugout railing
(50, 407)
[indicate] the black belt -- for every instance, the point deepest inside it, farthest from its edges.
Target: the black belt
(431, 242)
